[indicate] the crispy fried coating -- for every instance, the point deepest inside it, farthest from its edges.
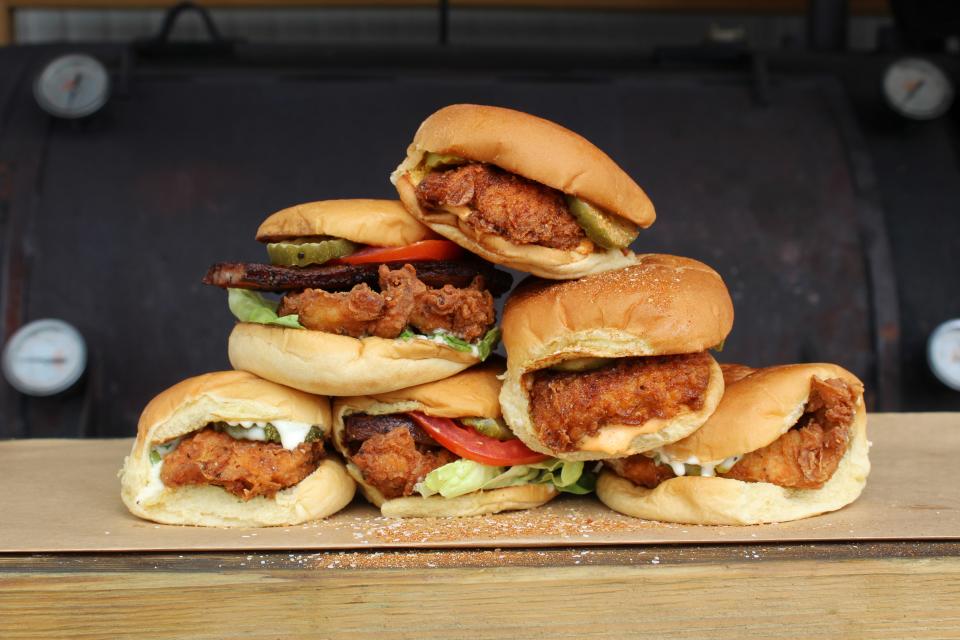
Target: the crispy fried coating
(640, 470)
(568, 406)
(808, 455)
(403, 300)
(520, 210)
(245, 468)
(393, 463)
(464, 312)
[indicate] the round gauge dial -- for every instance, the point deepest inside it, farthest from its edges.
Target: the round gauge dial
(917, 89)
(943, 353)
(44, 357)
(72, 86)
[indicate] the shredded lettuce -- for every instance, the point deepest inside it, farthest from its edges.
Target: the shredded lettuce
(466, 476)
(250, 306)
(482, 348)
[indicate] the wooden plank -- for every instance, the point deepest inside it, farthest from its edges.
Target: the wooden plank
(761, 593)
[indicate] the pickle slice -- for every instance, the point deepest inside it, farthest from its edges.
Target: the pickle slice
(301, 253)
(605, 229)
(433, 160)
(489, 427)
(580, 364)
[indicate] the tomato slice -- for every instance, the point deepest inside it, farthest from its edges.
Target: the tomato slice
(471, 445)
(423, 250)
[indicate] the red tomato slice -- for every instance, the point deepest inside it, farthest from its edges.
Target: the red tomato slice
(469, 444)
(423, 250)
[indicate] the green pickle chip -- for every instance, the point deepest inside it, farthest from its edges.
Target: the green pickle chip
(302, 253)
(605, 229)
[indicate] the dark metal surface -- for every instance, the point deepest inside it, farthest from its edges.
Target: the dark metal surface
(114, 221)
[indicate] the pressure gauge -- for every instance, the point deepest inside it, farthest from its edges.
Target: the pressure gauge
(917, 89)
(44, 357)
(72, 86)
(943, 353)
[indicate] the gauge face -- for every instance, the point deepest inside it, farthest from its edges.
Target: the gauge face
(72, 86)
(44, 357)
(917, 89)
(943, 353)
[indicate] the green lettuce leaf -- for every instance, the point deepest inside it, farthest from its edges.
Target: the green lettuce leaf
(250, 306)
(482, 348)
(466, 476)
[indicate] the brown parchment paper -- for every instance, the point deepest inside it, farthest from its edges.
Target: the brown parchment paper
(64, 496)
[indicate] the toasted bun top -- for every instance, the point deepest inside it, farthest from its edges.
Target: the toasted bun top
(663, 305)
(534, 148)
(382, 223)
(756, 410)
(226, 396)
(471, 393)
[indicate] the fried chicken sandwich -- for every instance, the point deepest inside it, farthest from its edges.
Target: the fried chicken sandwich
(522, 191)
(785, 443)
(441, 449)
(615, 363)
(371, 301)
(228, 449)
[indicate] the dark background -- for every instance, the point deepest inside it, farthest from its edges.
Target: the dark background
(833, 222)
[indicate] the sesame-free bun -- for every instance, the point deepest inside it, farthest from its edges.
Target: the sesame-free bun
(335, 365)
(536, 149)
(382, 223)
(664, 305)
(756, 410)
(472, 393)
(229, 396)
(700, 500)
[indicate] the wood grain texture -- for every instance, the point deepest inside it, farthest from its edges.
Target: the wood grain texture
(891, 590)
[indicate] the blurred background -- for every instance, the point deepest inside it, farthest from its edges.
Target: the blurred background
(807, 150)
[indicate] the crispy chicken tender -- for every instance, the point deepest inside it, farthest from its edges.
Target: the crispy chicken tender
(465, 312)
(640, 470)
(354, 313)
(393, 463)
(520, 210)
(808, 455)
(568, 406)
(403, 300)
(244, 468)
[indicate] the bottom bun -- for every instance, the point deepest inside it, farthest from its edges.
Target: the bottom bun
(699, 500)
(335, 365)
(322, 493)
(478, 503)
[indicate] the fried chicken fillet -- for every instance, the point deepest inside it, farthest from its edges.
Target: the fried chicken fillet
(402, 300)
(568, 406)
(805, 457)
(246, 469)
(393, 462)
(501, 203)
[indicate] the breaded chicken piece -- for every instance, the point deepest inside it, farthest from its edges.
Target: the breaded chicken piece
(403, 300)
(568, 406)
(641, 470)
(246, 469)
(808, 455)
(520, 210)
(393, 463)
(465, 312)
